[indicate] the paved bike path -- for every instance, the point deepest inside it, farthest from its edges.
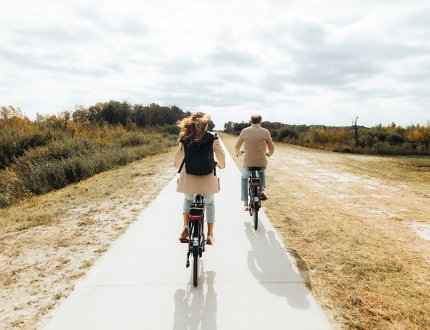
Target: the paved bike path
(247, 280)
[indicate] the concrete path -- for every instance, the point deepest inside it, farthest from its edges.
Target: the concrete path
(247, 279)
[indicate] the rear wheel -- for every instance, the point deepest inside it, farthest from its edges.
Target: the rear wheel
(195, 264)
(202, 240)
(196, 236)
(255, 216)
(256, 207)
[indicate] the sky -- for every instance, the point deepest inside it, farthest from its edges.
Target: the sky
(296, 62)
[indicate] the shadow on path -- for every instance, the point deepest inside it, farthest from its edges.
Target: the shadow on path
(269, 263)
(193, 308)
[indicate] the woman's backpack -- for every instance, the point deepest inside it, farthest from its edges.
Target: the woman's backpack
(199, 157)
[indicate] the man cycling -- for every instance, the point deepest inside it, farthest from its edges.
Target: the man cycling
(255, 140)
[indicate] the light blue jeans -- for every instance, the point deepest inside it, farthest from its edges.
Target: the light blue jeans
(209, 205)
(246, 172)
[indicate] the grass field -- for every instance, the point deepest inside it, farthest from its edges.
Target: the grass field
(347, 219)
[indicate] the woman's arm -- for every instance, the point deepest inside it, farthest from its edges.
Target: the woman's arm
(179, 156)
(219, 154)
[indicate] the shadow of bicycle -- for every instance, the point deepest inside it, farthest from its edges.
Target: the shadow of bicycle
(269, 262)
(196, 307)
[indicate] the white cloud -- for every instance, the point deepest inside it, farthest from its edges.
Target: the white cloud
(296, 62)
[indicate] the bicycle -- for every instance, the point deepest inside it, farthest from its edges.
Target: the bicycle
(254, 192)
(197, 239)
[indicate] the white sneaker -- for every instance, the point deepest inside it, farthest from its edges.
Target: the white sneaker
(210, 240)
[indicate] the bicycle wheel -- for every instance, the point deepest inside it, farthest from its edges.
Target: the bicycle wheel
(201, 240)
(256, 207)
(195, 264)
(255, 216)
(196, 243)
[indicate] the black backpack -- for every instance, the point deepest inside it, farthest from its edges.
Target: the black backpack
(199, 157)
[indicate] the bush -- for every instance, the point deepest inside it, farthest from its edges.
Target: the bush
(395, 139)
(347, 150)
(70, 160)
(171, 129)
(53, 151)
(286, 133)
(11, 188)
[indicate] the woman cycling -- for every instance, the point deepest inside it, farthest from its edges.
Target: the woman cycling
(194, 140)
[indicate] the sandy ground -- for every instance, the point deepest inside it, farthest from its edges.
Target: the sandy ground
(376, 187)
(49, 242)
(383, 188)
(352, 222)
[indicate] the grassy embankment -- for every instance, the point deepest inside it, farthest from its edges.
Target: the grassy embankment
(48, 242)
(38, 157)
(346, 219)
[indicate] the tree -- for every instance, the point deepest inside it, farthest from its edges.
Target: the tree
(228, 127)
(354, 123)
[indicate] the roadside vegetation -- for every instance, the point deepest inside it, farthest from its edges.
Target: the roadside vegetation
(42, 155)
(48, 242)
(379, 140)
(347, 220)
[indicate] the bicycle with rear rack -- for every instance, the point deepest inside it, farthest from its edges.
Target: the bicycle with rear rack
(254, 193)
(196, 238)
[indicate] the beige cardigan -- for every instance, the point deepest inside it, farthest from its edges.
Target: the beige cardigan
(199, 184)
(255, 139)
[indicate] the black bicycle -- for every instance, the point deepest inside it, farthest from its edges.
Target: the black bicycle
(197, 240)
(254, 192)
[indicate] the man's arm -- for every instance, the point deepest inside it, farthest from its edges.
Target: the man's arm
(239, 143)
(270, 144)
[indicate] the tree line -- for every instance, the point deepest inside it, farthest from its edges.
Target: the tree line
(391, 139)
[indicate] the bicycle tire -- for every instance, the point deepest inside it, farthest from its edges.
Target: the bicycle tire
(255, 216)
(201, 240)
(195, 264)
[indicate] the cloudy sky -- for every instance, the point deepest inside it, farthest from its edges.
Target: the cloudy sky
(312, 62)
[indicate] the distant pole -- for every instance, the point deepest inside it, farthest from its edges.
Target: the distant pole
(354, 123)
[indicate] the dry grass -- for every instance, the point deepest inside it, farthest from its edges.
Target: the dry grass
(48, 242)
(347, 218)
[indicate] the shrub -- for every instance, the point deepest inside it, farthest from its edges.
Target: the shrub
(347, 150)
(11, 188)
(53, 151)
(286, 132)
(395, 139)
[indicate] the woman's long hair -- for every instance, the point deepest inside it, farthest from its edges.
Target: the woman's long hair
(193, 128)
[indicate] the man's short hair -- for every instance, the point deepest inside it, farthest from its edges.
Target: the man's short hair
(256, 119)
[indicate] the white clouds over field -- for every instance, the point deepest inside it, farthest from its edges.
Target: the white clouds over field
(296, 62)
